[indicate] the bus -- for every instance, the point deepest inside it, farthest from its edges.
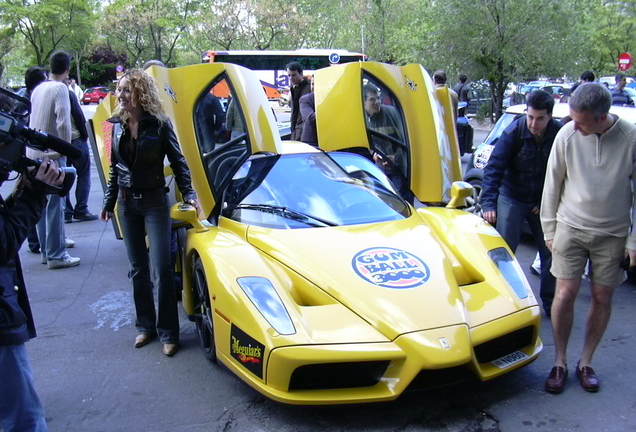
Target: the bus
(270, 65)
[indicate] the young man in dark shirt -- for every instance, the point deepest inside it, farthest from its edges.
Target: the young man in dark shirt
(299, 86)
(513, 181)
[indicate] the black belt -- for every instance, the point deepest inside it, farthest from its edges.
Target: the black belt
(128, 193)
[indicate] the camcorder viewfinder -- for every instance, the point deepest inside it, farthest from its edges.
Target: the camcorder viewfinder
(16, 136)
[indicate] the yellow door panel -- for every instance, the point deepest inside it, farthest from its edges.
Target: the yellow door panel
(430, 140)
(183, 89)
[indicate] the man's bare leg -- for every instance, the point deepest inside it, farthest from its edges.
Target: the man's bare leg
(563, 316)
(597, 319)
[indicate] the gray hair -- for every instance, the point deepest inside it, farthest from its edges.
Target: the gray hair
(153, 63)
(591, 97)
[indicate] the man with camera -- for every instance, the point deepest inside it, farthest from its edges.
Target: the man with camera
(20, 407)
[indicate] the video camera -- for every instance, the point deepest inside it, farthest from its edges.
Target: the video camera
(15, 137)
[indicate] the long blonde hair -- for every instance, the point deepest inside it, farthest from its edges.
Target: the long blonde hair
(144, 92)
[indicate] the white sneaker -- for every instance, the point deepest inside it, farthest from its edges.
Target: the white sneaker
(69, 243)
(65, 262)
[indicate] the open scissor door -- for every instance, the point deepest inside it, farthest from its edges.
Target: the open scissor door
(397, 114)
(221, 117)
(102, 135)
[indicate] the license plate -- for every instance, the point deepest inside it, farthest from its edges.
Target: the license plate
(510, 359)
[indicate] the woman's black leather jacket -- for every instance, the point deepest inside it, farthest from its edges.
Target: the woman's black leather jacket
(156, 140)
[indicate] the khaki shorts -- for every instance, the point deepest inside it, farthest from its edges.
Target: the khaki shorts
(571, 248)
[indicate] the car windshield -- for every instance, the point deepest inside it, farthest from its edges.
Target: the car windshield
(307, 190)
(500, 126)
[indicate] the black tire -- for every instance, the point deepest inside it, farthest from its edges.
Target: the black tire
(473, 201)
(204, 315)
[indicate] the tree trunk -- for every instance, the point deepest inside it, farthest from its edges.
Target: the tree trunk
(77, 69)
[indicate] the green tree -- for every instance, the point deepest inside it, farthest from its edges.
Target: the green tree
(7, 42)
(215, 25)
(502, 40)
(147, 29)
(608, 28)
(48, 25)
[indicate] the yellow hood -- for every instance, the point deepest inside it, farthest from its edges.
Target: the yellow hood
(394, 275)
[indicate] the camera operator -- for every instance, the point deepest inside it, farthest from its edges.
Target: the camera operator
(20, 407)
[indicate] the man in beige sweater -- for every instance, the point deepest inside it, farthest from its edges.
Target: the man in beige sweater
(587, 211)
(51, 113)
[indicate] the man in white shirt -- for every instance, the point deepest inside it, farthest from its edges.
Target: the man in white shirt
(51, 113)
(75, 89)
(587, 211)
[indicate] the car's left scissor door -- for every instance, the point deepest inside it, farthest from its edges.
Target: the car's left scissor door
(221, 116)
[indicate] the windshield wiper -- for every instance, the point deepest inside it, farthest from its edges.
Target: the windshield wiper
(287, 213)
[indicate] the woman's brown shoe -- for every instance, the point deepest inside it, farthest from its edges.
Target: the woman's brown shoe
(170, 349)
(143, 339)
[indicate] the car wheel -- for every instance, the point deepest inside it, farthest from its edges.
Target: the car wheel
(473, 200)
(203, 310)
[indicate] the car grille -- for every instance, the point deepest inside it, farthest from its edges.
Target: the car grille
(506, 344)
(433, 378)
(337, 375)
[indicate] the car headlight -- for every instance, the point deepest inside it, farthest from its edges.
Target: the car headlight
(511, 271)
(264, 296)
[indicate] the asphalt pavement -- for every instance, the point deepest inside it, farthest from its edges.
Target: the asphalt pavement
(90, 378)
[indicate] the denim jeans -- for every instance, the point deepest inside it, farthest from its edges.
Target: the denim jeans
(51, 226)
(510, 217)
(138, 221)
(20, 407)
(83, 182)
(32, 238)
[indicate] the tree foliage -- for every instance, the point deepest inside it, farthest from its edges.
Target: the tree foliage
(495, 40)
(100, 66)
(503, 40)
(147, 29)
(47, 25)
(7, 42)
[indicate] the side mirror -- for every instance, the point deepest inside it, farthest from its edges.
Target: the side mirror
(188, 214)
(459, 192)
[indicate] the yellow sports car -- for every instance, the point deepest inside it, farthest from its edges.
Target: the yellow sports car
(309, 272)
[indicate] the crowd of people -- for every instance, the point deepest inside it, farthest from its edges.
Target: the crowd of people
(136, 181)
(551, 175)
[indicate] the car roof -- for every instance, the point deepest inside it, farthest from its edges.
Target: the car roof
(563, 109)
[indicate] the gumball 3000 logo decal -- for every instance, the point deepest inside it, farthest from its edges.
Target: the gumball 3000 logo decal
(390, 268)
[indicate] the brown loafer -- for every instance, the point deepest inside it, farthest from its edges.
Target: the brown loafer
(170, 349)
(588, 379)
(556, 380)
(143, 339)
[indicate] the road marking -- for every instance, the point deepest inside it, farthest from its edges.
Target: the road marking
(114, 310)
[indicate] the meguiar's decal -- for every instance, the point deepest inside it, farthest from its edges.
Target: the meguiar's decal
(390, 268)
(247, 351)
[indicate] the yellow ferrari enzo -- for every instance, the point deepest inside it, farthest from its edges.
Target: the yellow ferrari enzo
(309, 272)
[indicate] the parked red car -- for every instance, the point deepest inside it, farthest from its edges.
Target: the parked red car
(94, 94)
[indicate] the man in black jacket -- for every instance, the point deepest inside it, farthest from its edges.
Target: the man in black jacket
(299, 86)
(82, 164)
(20, 407)
(513, 181)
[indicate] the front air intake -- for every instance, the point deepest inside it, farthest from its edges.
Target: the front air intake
(503, 345)
(337, 375)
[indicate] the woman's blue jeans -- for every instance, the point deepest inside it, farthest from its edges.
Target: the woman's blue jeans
(138, 222)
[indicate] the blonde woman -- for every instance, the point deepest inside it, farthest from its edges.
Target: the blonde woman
(137, 180)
